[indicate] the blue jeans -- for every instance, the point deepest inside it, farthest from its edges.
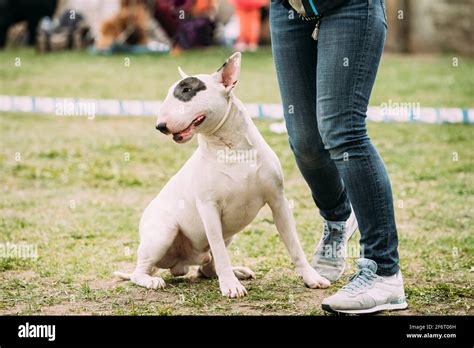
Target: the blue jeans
(325, 87)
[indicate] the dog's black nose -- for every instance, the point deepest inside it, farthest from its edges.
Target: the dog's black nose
(162, 128)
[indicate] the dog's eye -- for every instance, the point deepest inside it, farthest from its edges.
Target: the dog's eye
(186, 89)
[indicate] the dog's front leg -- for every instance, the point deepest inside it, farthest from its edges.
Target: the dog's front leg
(285, 225)
(228, 282)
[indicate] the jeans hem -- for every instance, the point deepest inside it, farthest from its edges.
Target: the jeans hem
(387, 272)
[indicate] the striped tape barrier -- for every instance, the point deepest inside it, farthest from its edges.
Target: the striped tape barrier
(387, 112)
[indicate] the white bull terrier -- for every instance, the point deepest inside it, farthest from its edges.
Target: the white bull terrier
(216, 194)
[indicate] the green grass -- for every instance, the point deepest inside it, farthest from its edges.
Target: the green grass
(80, 245)
(428, 80)
(75, 197)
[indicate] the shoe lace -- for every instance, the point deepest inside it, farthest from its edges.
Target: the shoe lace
(363, 278)
(333, 236)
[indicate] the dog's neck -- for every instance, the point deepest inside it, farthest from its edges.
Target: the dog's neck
(237, 132)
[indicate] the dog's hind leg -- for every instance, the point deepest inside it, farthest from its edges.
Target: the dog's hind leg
(142, 274)
(155, 242)
(207, 271)
(241, 272)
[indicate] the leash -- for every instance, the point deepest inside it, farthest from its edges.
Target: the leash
(226, 116)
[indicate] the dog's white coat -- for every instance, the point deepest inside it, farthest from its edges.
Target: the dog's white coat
(193, 219)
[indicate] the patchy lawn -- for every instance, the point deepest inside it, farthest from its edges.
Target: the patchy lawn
(74, 189)
(74, 196)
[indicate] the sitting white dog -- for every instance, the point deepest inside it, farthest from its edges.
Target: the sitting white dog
(218, 192)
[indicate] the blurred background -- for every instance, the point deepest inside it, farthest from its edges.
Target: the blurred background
(416, 26)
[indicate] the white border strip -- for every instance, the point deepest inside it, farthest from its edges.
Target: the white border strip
(129, 107)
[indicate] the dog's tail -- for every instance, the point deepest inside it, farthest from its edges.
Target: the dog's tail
(122, 275)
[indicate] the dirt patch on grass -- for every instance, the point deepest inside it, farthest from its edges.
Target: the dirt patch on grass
(19, 274)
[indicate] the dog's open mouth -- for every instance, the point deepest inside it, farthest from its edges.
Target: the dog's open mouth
(187, 133)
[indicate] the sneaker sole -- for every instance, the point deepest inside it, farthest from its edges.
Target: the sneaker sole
(379, 308)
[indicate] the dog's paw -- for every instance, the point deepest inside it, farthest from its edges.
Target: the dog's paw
(148, 281)
(155, 283)
(231, 287)
(313, 280)
(243, 273)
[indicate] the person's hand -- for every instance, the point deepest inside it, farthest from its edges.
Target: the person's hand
(299, 7)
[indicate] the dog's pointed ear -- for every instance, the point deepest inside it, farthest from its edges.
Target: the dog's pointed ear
(182, 73)
(228, 73)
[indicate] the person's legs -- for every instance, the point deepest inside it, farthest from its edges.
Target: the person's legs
(350, 45)
(295, 56)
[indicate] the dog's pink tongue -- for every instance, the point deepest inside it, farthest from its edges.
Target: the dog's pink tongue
(186, 132)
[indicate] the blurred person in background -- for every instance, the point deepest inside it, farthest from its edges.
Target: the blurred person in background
(31, 11)
(189, 23)
(249, 14)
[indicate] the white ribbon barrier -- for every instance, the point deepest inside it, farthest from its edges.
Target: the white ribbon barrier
(387, 112)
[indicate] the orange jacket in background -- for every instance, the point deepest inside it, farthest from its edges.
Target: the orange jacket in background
(204, 6)
(248, 4)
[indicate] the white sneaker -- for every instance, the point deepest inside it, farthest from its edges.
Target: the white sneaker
(367, 292)
(330, 255)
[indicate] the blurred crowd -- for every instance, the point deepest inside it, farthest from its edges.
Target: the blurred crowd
(133, 25)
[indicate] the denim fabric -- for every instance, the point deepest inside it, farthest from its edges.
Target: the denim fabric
(325, 87)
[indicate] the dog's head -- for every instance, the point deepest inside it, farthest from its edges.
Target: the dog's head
(198, 103)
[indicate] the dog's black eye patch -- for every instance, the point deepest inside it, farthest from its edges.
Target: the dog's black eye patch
(188, 88)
